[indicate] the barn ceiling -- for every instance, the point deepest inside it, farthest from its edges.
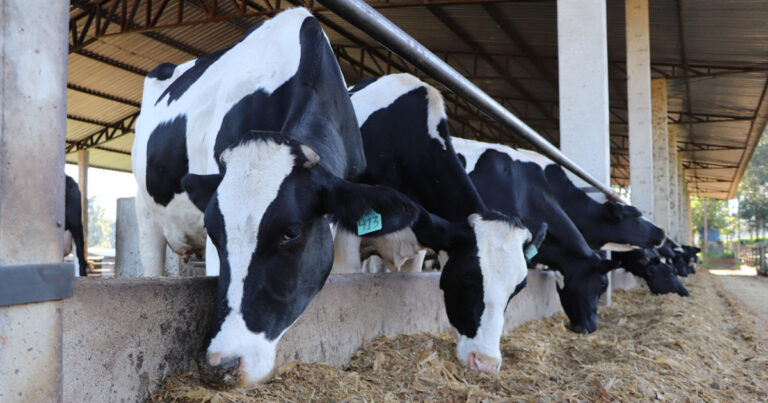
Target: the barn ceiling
(713, 53)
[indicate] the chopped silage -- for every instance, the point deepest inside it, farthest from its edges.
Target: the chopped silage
(701, 348)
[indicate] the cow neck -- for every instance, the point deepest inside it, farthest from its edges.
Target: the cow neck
(579, 207)
(420, 163)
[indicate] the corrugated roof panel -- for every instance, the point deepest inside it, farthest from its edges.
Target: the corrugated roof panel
(77, 130)
(96, 108)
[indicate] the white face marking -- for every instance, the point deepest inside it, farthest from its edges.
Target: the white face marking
(618, 247)
(384, 91)
(503, 265)
(255, 171)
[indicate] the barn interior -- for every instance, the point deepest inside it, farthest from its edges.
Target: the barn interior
(679, 83)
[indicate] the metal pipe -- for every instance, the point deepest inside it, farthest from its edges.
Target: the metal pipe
(378, 27)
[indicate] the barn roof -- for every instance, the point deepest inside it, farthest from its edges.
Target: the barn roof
(713, 54)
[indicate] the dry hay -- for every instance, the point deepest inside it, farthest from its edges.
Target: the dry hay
(647, 348)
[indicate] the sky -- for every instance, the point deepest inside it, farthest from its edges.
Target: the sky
(106, 186)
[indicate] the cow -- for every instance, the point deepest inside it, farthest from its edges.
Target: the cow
(513, 183)
(254, 145)
(608, 226)
(404, 129)
(73, 226)
(672, 254)
(646, 264)
(690, 254)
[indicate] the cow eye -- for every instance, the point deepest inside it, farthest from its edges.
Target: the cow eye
(291, 233)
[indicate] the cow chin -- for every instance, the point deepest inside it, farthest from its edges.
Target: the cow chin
(238, 357)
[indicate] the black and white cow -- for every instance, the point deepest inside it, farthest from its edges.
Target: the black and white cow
(512, 182)
(405, 136)
(253, 145)
(674, 255)
(608, 226)
(73, 226)
(646, 263)
(691, 255)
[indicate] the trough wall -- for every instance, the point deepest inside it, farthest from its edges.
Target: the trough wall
(122, 335)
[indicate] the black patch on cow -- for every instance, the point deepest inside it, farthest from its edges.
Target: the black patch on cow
(311, 108)
(163, 71)
(167, 161)
(73, 221)
(518, 288)
(462, 285)
(462, 160)
(403, 156)
(214, 225)
(189, 77)
(362, 84)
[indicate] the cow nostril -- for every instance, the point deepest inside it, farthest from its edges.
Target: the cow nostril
(481, 362)
(218, 369)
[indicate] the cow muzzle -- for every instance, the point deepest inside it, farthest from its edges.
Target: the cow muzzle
(221, 370)
(481, 362)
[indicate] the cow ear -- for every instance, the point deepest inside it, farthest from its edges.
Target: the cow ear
(310, 155)
(367, 210)
(613, 211)
(462, 160)
(531, 248)
(201, 188)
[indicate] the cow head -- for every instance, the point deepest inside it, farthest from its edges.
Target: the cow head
(486, 267)
(580, 289)
(266, 215)
(662, 279)
(647, 264)
(624, 224)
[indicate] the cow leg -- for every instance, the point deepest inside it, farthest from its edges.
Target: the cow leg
(346, 252)
(414, 264)
(151, 241)
(399, 247)
(211, 258)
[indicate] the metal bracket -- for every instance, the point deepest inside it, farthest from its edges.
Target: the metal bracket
(25, 284)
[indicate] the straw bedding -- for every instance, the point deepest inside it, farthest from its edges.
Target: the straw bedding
(648, 347)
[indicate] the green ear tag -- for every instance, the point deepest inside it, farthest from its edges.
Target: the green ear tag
(531, 251)
(369, 222)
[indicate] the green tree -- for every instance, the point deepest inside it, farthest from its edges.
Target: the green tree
(753, 191)
(718, 216)
(101, 231)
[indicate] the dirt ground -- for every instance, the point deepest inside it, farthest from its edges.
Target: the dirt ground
(751, 290)
(703, 348)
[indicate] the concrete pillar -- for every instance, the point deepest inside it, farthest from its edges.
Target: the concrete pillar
(582, 51)
(127, 257)
(689, 219)
(639, 106)
(33, 72)
(661, 189)
(682, 216)
(672, 229)
(82, 165)
(582, 55)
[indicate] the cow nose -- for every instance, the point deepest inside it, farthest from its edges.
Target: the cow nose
(220, 369)
(481, 362)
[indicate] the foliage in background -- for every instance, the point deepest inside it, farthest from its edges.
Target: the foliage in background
(753, 191)
(101, 231)
(717, 214)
